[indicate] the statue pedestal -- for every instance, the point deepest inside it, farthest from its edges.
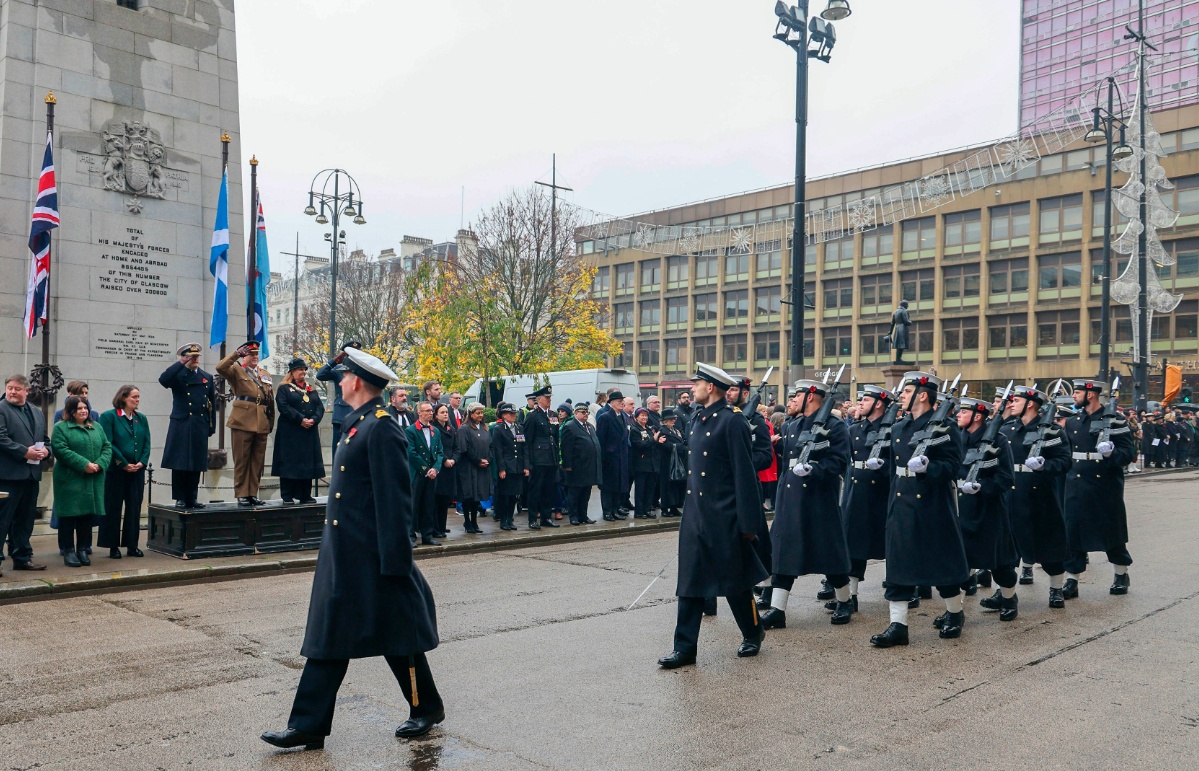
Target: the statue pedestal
(894, 373)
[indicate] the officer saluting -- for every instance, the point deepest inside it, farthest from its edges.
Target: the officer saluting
(368, 597)
(720, 521)
(193, 420)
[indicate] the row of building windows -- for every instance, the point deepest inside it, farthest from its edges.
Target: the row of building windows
(1055, 334)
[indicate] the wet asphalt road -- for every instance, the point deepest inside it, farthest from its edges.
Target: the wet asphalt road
(542, 666)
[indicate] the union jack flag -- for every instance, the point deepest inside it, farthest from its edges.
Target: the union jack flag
(45, 219)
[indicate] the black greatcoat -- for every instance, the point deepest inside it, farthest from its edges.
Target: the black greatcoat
(580, 455)
(474, 446)
(1095, 515)
(193, 419)
(644, 453)
(986, 527)
(723, 501)
(541, 436)
(807, 534)
(671, 491)
(787, 448)
(1036, 515)
(447, 476)
(924, 540)
(368, 597)
(508, 455)
(864, 501)
(297, 449)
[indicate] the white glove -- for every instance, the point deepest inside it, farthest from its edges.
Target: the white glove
(1105, 448)
(1036, 462)
(918, 464)
(874, 464)
(802, 469)
(969, 488)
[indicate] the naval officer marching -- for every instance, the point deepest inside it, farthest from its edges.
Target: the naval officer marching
(368, 597)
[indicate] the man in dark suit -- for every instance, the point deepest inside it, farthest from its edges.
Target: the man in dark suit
(626, 504)
(23, 446)
(329, 374)
(193, 420)
(399, 408)
(580, 464)
(541, 440)
(425, 456)
(368, 596)
(614, 448)
(456, 409)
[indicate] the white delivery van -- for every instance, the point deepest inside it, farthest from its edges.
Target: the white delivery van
(580, 385)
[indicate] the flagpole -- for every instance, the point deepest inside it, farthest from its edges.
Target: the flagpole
(252, 263)
(47, 393)
(220, 383)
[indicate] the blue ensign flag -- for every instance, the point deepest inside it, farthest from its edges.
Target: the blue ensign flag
(262, 277)
(218, 265)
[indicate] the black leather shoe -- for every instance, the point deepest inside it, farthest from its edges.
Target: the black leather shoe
(534, 525)
(621, 515)
(587, 521)
(293, 738)
(419, 726)
(1120, 585)
(1056, 600)
(913, 603)
(676, 659)
(114, 554)
(256, 500)
(244, 502)
(773, 619)
(307, 499)
(1070, 589)
(842, 613)
(827, 592)
(896, 634)
(994, 602)
(549, 523)
(181, 504)
(751, 647)
(83, 558)
(429, 542)
(763, 601)
(758, 590)
(984, 579)
(609, 518)
(709, 606)
(71, 559)
(135, 552)
(939, 621)
(574, 521)
(1025, 576)
(196, 505)
(288, 501)
(1010, 608)
(953, 626)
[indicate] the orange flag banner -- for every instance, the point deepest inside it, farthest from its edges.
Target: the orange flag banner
(1173, 383)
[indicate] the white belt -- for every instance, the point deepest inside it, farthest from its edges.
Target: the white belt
(903, 471)
(1022, 467)
(1086, 456)
(859, 464)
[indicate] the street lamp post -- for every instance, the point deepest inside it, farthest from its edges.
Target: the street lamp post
(333, 204)
(801, 33)
(1103, 130)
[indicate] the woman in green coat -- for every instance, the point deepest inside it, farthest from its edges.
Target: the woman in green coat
(125, 480)
(83, 452)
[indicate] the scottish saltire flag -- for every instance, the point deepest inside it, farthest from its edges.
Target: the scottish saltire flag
(262, 277)
(45, 219)
(218, 265)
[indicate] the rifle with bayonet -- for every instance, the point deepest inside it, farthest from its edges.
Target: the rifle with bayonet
(751, 406)
(1046, 428)
(938, 425)
(818, 431)
(1111, 414)
(880, 437)
(985, 451)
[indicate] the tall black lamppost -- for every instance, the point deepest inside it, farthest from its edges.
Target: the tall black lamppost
(810, 39)
(326, 190)
(1103, 130)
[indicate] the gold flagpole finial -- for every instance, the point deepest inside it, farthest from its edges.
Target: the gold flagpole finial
(225, 137)
(253, 160)
(50, 98)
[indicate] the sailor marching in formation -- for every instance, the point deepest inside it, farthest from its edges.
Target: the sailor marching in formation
(952, 492)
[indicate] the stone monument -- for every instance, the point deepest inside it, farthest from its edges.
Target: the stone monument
(145, 89)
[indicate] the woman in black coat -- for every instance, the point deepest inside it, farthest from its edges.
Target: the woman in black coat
(447, 479)
(672, 490)
(645, 456)
(297, 459)
(474, 465)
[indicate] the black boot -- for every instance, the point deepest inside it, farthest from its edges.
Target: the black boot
(994, 602)
(827, 592)
(1056, 600)
(843, 612)
(914, 602)
(774, 619)
(1025, 575)
(1070, 589)
(953, 625)
(896, 634)
(1120, 585)
(751, 646)
(1009, 609)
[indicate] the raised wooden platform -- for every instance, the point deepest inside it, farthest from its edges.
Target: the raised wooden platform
(226, 529)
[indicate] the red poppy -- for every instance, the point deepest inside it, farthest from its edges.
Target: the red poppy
(353, 431)
(204, 380)
(923, 381)
(811, 389)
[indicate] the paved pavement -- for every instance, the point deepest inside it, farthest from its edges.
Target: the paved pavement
(542, 666)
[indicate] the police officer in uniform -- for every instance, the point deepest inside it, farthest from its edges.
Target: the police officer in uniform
(720, 521)
(368, 596)
(251, 418)
(193, 420)
(510, 462)
(924, 539)
(541, 442)
(1095, 515)
(807, 534)
(329, 374)
(864, 499)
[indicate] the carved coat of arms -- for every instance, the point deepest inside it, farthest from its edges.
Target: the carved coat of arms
(133, 158)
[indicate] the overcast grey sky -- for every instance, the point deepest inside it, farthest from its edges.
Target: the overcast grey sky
(648, 103)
